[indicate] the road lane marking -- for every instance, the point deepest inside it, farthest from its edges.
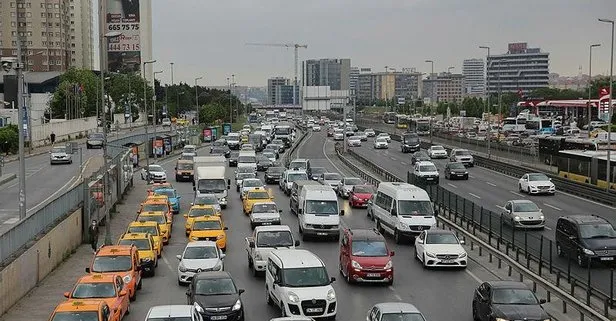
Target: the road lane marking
(11, 221)
(549, 228)
(552, 206)
(454, 186)
(403, 163)
(328, 159)
(52, 195)
(491, 184)
(516, 193)
(393, 158)
(476, 278)
(471, 176)
(473, 195)
(167, 263)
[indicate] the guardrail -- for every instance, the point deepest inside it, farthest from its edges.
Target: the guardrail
(531, 248)
(587, 191)
(287, 157)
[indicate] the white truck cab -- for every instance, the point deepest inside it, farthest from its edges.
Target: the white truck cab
(318, 212)
(265, 239)
(211, 180)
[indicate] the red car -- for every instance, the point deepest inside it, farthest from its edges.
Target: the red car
(360, 195)
(365, 257)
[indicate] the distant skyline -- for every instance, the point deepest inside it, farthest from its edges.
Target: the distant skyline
(207, 38)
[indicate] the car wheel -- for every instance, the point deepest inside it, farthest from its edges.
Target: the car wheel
(139, 285)
(180, 283)
(127, 310)
(249, 261)
(475, 317)
(520, 188)
(528, 190)
(348, 278)
(559, 250)
(379, 227)
(254, 270)
(268, 298)
(582, 261)
(283, 311)
(134, 297)
(397, 237)
(423, 263)
(416, 255)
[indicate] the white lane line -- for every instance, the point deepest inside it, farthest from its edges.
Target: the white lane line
(516, 193)
(168, 264)
(328, 159)
(590, 201)
(552, 206)
(11, 221)
(473, 195)
(393, 158)
(491, 184)
(454, 186)
(52, 195)
(398, 297)
(471, 176)
(403, 163)
(476, 278)
(549, 228)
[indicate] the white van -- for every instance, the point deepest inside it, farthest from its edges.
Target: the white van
(211, 180)
(402, 210)
(296, 281)
(247, 158)
(318, 212)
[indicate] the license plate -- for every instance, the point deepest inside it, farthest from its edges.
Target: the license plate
(314, 310)
(267, 223)
(429, 178)
(218, 317)
(607, 258)
(187, 176)
(447, 261)
(374, 275)
(323, 234)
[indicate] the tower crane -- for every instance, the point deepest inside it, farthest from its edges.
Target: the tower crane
(286, 45)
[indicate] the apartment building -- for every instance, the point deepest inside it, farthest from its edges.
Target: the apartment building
(521, 69)
(444, 87)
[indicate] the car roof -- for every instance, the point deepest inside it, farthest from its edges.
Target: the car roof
(272, 228)
(163, 311)
(297, 258)
(365, 235)
(521, 201)
(425, 163)
(208, 218)
(586, 219)
(392, 307)
(201, 244)
(498, 284)
(113, 250)
(97, 278)
(134, 236)
(438, 231)
(213, 275)
(79, 305)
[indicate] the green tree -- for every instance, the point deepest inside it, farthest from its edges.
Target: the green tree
(127, 89)
(76, 85)
(9, 139)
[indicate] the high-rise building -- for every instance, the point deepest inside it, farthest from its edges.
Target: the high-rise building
(353, 76)
(388, 85)
(520, 69)
(280, 91)
(335, 73)
(444, 87)
(54, 34)
(474, 77)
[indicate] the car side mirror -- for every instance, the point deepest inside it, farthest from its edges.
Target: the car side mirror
(228, 181)
(225, 228)
(394, 212)
(240, 291)
(341, 212)
(179, 257)
(296, 243)
(462, 242)
(194, 188)
(222, 255)
(251, 244)
(123, 293)
(176, 168)
(332, 280)
(280, 211)
(87, 270)
(67, 294)
(300, 211)
(392, 253)
(542, 301)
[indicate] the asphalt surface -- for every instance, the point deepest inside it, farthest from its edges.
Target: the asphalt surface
(492, 190)
(412, 283)
(44, 182)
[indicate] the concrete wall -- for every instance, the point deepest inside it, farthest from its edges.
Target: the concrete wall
(23, 274)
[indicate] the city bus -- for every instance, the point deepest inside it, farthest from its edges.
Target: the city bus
(421, 126)
(389, 117)
(402, 121)
(514, 124)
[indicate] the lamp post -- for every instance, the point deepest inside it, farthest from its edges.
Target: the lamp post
(154, 113)
(197, 100)
(230, 109)
(609, 108)
(589, 85)
(147, 121)
(231, 91)
(488, 99)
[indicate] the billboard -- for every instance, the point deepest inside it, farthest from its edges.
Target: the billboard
(123, 52)
(518, 47)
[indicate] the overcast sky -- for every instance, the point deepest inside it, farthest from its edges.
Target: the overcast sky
(207, 37)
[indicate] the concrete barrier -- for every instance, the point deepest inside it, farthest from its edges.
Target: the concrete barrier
(25, 272)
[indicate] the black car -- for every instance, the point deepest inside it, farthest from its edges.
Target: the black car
(233, 156)
(507, 300)
(280, 144)
(263, 163)
(215, 296)
(420, 156)
(221, 150)
(456, 171)
(410, 143)
(273, 174)
(586, 238)
(315, 172)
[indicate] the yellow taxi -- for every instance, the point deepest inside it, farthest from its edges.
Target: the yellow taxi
(198, 211)
(122, 260)
(91, 310)
(107, 287)
(244, 139)
(209, 228)
(161, 219)
(148, 227)
(145, 245)
(157, 203)
(255, 195)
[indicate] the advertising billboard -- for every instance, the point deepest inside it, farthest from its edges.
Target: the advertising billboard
(123, 52)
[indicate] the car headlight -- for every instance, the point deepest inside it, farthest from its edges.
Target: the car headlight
(501, 319)
(542, 217)
(182, 268)
(465, 172)
(588, 252)
(258, 256)
(223, 200)
(355, 265)
(453, 173)
(194, 238)
(147, 259)
(388, 265)
(294, 298)
(401, 226)
(237, 305)
(355, 197)
(461, 255)
(220, 237)
(217, 267)
(331, 295)
(517, 218)
(127, 278)
(430, 254)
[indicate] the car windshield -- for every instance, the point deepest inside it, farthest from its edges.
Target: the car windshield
(200, 252)
(318, 170)
(462, 152)
(427, 168)
(212, 185)
(363, 189)
(215, 287)
(525, 207)
(95, 136)
(247, 159)
(332, 177)
(381, 140)
(189, 150)
(245, 169)
(275, 170)
(75, 316)
(514, 296)
(141, 244)
(305, 277)
(265, 208)
(438, 148)
(206, 200)
(441, 238)
(297, 177)
(456, 166)
(258, 195)
(355, 138)
(156, 169)
(206, 225)
(104, 264)
(185, 166)
(589, 231)
(58, 150)
(352, 181)
(167, 192)
(322, 207)
(422, 155)
(296, 164)
(269, 155)
(241, 176)
(415, 208)
(198, 212)
(218, 150)
(369, 248)
(155, 208)
(94, 291)
(160, 219)
(143, 229)
(274, 239)
(400, 316)
(252, 183)
(537, 177)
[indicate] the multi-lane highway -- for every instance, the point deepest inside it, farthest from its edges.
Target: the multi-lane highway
(491, 190)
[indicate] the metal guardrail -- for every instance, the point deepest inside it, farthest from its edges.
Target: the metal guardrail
(287, 157)
(480, 220)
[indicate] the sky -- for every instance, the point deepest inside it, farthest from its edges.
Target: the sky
(208, 37)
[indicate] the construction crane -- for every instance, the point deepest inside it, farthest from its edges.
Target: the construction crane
(286, 45)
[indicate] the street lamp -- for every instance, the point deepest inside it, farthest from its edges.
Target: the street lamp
(488, 99)
(197, 99)
(609, 108)
(589, 85)
(147, 120)
(154, 113)
(230, 109)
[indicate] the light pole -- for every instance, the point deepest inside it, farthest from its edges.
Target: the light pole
(147, 121)
(154, 113)
(197, 100)
(589, 86)
(609, 108)
(432, 93)
(231, 92)
(230, 109)
(487, 98)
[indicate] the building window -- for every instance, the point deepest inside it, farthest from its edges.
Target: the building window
(30, 35)
(43, 34)
(57, 15)
(13, 15)
(13, 6)
(59, 62)
(29, 15)
(45, 64)
(51, 64)
(42, 6)
(57, 6)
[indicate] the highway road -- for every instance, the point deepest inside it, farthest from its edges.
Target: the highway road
(44, 182)
(412, 283)
(492, 190)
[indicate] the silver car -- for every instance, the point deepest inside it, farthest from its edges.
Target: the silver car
(523, 214)
(346, 185)
(199, 256)
(59, 155)
(95, 140)
(207, 199)
(331, 179)
(173, 313)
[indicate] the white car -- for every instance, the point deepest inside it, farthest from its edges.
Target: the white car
(247, 147)
(264, 213)
(384, 135)
(166, 122)
(369, 132)
(346, 185)
(381, 143)
(536, 183)
(437, 151)
(316, 128)
(173, 312)
(155, 173)
(248, 184)
(330, 179)
(354, 141)
(59, 155)
(427, 172)
(440, 248)
(199, 256)
(338, 134)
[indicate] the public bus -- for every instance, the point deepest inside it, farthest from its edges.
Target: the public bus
(514, 124)
(402, 121)
(389, 117)
(421, 126)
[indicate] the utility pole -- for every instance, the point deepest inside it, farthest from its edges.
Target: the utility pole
(147, 124)
(344, 133)
(488, 99)
(154, 101)
(232, 93)
(197, 100)
(230, 109)
(589, 87)
(608, 176)
(21, 115)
